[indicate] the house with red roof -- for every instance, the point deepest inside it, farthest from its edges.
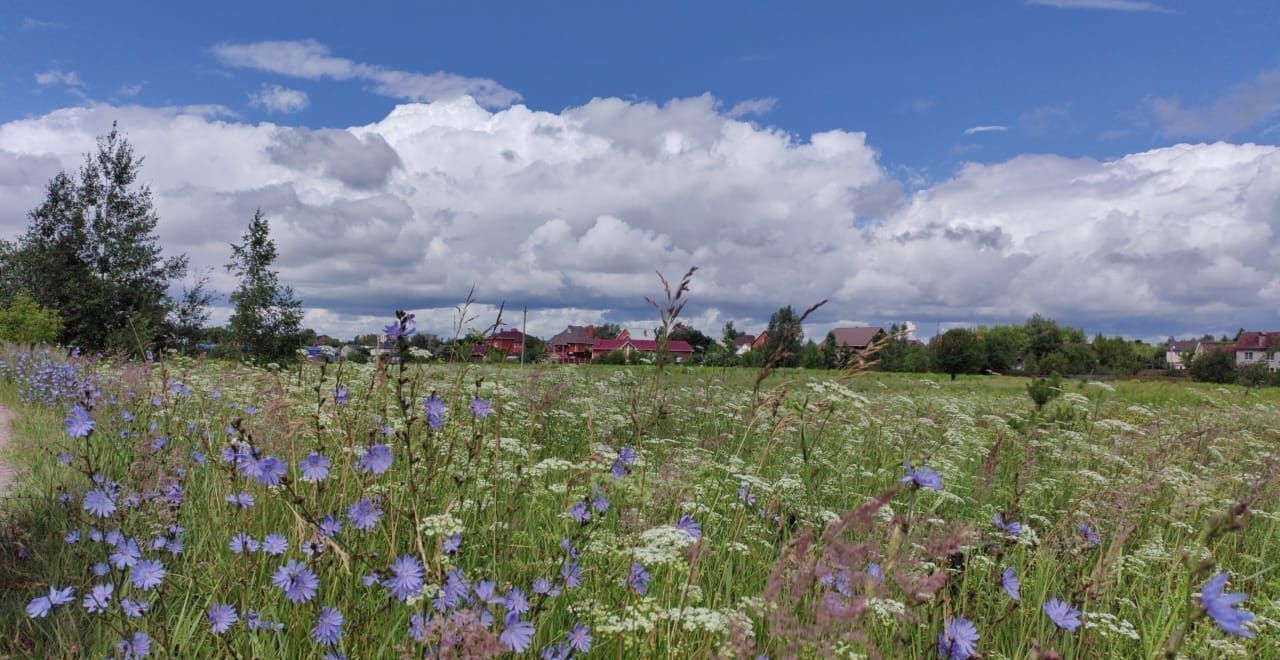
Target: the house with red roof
(855, 340)
(572, 345)
(1258, 347)
(507, 342)
(680, 351)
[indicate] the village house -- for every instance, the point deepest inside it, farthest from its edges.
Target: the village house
(852, 341)
(680, 351)
(507, 342)
(746, 343)
(572, 345)
(1258, 347)
(1179, 354)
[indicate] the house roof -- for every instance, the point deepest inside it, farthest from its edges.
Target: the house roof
(646, 345)
(744, 340)
(1256, 341)
(574, 334)
(512, 334)
(856, 337)
(1184, 345)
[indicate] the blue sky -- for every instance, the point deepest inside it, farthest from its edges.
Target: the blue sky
(915, 76)
(1041, 94)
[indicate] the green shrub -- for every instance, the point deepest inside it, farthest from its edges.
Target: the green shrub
(25, 321)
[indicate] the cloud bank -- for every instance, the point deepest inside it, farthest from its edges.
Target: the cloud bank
(571, 213)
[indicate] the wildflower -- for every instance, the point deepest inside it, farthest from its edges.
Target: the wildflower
(100, 569)
(1011, 584)
(364, 514)
(405, 579)
(72, 537)
(253, 621)
(127, 554)
(328, 628)
(921, 478)
(341, 395)
(745, 495)
(434, 408)
(297, 581)
(330, 526)
(1062, 614)
(240, 500)
(314, 467)
(147, 574)
(580, 513)
(376, 460)
(481, 408)
(99, 502)
(198, 458)
(242, 543)
(516, 601)
(599, 502)
(579, 638)
(484, 591)
(690, 527)
(222, 617)
(137, 646)
(98, 598)
(1011, 528)
(1090, 534)
(65, 459)
(79, 423)
(452, 543)
(268, 470)
(561, 651)
(517, 635)
(371, 579)
(876, 573)
(621, 465)
(39, 607)
(134, 608)
(958, 639)
(572, 574)
(638, 578)
(543, 587)
(1222, 608)
(275, 544)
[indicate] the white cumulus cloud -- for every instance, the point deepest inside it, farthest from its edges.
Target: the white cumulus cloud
(570, 214)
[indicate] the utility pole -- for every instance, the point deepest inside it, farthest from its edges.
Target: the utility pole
(524, 332)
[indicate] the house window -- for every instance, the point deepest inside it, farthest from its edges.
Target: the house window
(1248, 355)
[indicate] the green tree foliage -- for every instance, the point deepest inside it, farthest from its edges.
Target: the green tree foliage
(1116, 355)
(700, 342)
(24, 321)
(1214, 367)
(785, 338)
(811, 356)
(90, 253)
(608, 330)
(831, 357)
(958, 351)
(1004, 346)
(187, 318)
(267, 316)
(1043, 336)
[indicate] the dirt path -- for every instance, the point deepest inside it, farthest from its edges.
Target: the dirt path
(6, 471)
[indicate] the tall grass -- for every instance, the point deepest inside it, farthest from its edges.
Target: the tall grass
(767, 523)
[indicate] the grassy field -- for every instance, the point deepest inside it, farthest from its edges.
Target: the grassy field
(624, 512)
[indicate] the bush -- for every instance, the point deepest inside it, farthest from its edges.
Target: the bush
(1043, 390)
(1214, 367)
(612, 357)
(25, 321)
